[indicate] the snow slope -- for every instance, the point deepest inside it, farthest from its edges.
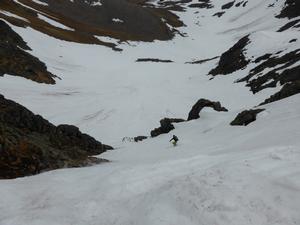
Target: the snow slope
(103, 89)
(218, 174)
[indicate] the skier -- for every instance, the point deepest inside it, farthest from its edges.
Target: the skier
(174, 140)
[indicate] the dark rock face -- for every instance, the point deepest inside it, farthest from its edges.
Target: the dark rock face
(30, 144)
(154, 60)
(200, 104)
(233, 59)
(287, 90)
(15, 61)
(291, 9)
(165, 126)
(246, 117)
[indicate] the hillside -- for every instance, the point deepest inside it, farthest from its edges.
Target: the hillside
(225, 74)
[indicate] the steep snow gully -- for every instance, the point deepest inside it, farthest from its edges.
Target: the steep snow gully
(240, 53)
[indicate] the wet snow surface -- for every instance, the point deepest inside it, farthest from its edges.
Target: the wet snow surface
(217, 175)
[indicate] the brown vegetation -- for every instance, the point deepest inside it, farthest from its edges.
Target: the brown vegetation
(139, 21)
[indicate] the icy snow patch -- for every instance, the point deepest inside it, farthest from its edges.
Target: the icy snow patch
(13, 15)
(117, 20)
(54, 23)
(96, 3)
(40, 2)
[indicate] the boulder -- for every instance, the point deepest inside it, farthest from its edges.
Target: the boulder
(139, 138)
(165, 126)
(246, 117)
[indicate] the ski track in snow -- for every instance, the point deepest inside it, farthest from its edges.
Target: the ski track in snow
(217, 175)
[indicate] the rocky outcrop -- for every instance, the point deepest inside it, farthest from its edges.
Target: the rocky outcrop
(242, 3)
(275, 64)
(165, 126)
(200, 104)
(280, 71)
(219, 14)
(287, 90)
(291, 9)
(233, 59)
(17, 62)
(8, 36)
(30, 144)
(228, 5)
(279, 68)
(14, 60)
(246, 117)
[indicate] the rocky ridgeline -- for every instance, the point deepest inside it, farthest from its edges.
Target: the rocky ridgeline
(30, 144)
